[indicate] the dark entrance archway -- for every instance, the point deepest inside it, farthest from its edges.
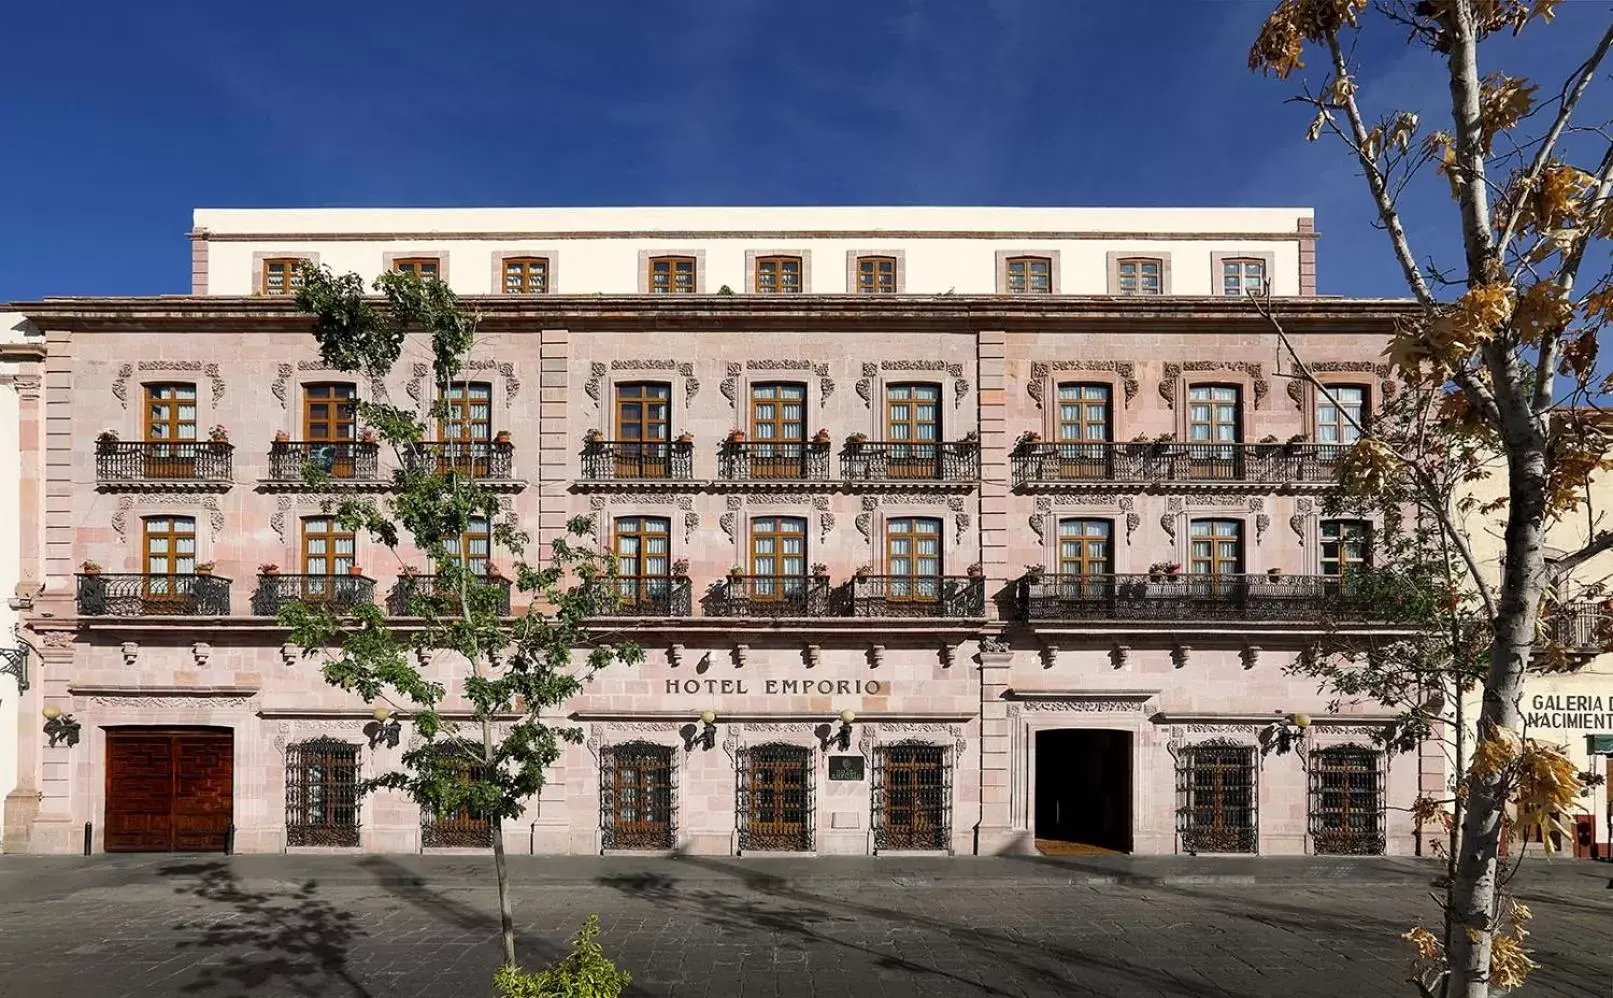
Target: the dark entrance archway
(169, 789)
(1083, 787)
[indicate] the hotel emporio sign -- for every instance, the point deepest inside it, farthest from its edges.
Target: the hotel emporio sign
(781, 687)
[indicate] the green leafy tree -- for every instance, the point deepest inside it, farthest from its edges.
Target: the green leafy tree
(487, 750)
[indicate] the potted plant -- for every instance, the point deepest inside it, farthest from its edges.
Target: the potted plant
(354, 570)
(821, 438)
(1029, 438)
(593, 437)
(856, 440)
(863, 571)
(281, 437)
(105, 439)
(90, 568)
(1274, 573)
(1033, 573)
(1172, 569)
(736, 572)
(1297, 440)
(268, 568)
(820, 571)
(680, 568)
(972, 437)
(218, 433)
(1156, 571)
(205, 567)
(366, 435)
(975, 571)
(502, 437)
(736, 436)
(686, 438)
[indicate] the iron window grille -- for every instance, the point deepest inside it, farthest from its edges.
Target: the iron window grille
(464, 827)
(637, 796)
(1216, 798)
(322, 794)
(1347, 801)
(775, 798)
(912, 796)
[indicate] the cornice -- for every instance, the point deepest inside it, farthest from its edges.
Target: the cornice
(228, 315)
(771, 235)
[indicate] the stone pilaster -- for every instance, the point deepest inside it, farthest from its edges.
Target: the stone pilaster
(198, 262)
(1307, 257)
(59, 455)
(996, 833)
(992, 346)
(554, 436)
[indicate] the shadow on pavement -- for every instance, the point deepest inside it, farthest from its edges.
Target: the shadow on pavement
(409, 887)
(292, 937)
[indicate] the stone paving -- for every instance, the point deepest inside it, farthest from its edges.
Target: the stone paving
(373, 926)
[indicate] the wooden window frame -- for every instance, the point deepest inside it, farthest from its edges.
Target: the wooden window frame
(1340, 560)
(1026, 281)
(332, 535)
(914, 456)
(643, 456)
(779, 261)
(641, 585)
(330, 817)
(462, 545)
(914, 585)
(779, 583)
(656, 803)
(1237, 415)
(1215, 562)
(528, 265)
(1082, 422)
(673, 260)
(1343, 425)
(293, 275)
(337, 402)
(150, 393)
(876, 286)
(1117, 260)
(1027, 253)
(396, 264)
(1243, 263)
(1081, 565)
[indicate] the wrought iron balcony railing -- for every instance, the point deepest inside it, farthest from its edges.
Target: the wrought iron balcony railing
(417, 595)
(1162, 596)
(1149, 461)
(1583, 627)
(340, 593)
(774, 460)
(891, 460)
(349, 460)
(769, 596)
(137, 461)
(101, 595)
(649, 597)
(489, 460)
(613, 460)
(918, 596)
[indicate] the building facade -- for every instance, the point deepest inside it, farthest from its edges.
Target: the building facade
(944, 530)
(19, 347)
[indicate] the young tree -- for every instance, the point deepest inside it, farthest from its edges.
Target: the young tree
(512, 671)
(1504, 347)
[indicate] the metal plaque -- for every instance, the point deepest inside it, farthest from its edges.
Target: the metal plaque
(845, 767)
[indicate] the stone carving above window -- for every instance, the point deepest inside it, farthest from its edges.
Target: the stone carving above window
(1169, 384)
(1383, 372)
(215, 514)
(503, 368)
(960, 384)
(120, 386)
(1040, 373)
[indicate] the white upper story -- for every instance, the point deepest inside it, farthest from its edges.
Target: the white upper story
(830, 250)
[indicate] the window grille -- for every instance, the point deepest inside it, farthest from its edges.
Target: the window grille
(322, 793)
(465, 827)
(1216, 798)
(912, 796)
(1347, 801)
(775, 800)
(637, 796)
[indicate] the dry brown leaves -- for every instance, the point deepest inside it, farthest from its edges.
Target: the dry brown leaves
(1279, 47)
(1503, 102)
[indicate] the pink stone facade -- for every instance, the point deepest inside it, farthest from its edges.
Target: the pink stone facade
(980, 683)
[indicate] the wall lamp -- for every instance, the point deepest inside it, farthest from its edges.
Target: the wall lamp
(14, 662)
(385, 729)
(843, 736)
(1285, 735)
(704, 736)
(60, 727)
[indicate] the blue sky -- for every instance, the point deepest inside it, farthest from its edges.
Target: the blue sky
(121, 118)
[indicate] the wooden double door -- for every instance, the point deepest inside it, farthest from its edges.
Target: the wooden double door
(169, 789)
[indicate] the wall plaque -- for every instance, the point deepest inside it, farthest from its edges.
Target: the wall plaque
(845, 767)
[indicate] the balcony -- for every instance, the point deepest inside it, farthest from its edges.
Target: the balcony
(905, 461)
(954, 596)
(1153, 462)
(101, 595)
(774, 461)
(769, 596)
(637, 460)
(343, 460)
(438, 596)
(652, 597)
(338, 593)
(135, 462)
(479, 459)
(1307, 598)
(1582, 628)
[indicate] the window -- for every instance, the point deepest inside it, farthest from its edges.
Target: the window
(636, 796)
(643, 411)
(1217, 547)
(526, 275)
(471, 548)
(778, 430)
(1346, 545)
(1029, 275)
(912, 796)
(329, 427)
(170, 416)
(1083, 419)
(322, 793)
(778, 557)
(913, 557)
(1215, 798)
(464, 827)
(169, 543)
(282, 276)
(1337, 424)
(674, 275)
(466, 429)
(775, 797)
(778, 275)
(1085, 547)
(913, 429)
(643, 546)
(1214, 427)
(420, 266)
(1347, 801)
(1241, 276)
(876, 275)
(1139, 276)
(327, 549)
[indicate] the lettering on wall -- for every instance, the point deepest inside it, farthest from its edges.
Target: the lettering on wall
(781, 687)
(1569, 711)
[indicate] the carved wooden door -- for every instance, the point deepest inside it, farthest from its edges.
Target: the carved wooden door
(169, 790)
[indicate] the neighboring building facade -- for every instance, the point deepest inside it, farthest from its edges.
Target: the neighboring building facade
(18, 347)
(1029, 416)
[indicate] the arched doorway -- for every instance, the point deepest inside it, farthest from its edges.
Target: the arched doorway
(1083, 790)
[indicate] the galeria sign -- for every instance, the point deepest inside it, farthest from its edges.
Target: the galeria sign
(781, 687)
(1569, 710)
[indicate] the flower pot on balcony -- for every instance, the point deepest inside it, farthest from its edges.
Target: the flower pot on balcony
(204, 569)
(736, 436)
(1274, 573)
(90, 568)
(354, 570)
(501, 437)
(686, 438)
(268, 569)
(281, 437)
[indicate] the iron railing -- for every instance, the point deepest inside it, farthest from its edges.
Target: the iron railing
(1162, 596)
(482, 459)
(466, 827)
(136, 461)
(773, 460)
(889, 460)
(340, 593)
(769, 596)
(1582, 627)
(1216, 799)
(638, 786)
(417, 595)
(1347, 801)
(918, 596)
(349, 460)
(615, 460)
(1176, 462)
(774, 805)
(912, 796)
(153, 595)
(322, 799)
(666, 596)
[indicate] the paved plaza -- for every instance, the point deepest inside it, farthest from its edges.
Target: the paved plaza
(373, 926)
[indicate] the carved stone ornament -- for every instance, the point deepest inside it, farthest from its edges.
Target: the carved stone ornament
(596, 375)
(58, 639)
(120, 387)
(865, 384)
(1173, 377)
(1118, 655)
(506, 370)
(960, 514)
(215, 514)
(1040, 373)
(1302, 509)
(730, 383)
(1167, 519)
(1038, 519)
(1133, 519)
(417, 380)
(1089, 703)
(865, 519)
(167, 703)
(990, 645)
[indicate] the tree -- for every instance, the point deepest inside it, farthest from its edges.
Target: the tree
(1503, 348)
(513, 670)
